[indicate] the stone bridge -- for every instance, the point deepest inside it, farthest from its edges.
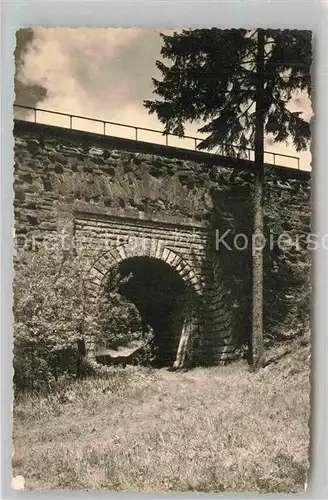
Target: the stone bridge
(155, 211)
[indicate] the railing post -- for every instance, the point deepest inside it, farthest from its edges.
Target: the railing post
(220, 148)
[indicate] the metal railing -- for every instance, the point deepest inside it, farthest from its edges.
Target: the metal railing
(137, 132)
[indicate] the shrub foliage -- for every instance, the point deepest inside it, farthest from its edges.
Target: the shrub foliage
(49, 313)
(53, 313)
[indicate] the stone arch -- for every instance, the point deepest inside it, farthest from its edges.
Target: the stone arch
(155, 250)
(151, 248)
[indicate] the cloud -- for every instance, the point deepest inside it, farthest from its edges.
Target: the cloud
(92, 72)
(25, 92)
(104, 74)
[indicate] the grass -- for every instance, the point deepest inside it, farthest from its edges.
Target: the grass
(207, 429)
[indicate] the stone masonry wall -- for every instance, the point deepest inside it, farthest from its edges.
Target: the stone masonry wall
(61, 175)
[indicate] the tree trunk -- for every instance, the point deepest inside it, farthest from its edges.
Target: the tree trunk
(258, 237)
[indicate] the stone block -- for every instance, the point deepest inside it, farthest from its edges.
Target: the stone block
(151, 205)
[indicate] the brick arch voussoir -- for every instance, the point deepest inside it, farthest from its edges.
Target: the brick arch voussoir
(152, 248)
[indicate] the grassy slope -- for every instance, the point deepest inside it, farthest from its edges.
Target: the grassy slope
(215, 429)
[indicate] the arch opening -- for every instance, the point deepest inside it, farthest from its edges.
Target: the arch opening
(161, 297)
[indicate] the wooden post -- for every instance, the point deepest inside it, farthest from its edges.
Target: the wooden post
(257, 324)
(185, 335)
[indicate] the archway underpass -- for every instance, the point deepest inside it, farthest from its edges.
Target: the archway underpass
(162, 299)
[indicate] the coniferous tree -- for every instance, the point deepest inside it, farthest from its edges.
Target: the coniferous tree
(239, 83)
(213, 78)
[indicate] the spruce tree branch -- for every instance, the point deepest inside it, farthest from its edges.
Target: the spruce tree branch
(232, 65)
(240, 78)
(252, 51)
(267, 54)
(237, 104)
(237, 92)
(253, 34)
(251, 61)
(276, 102)
(246, 110)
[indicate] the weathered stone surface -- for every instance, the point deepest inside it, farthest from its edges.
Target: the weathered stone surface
(170, 209)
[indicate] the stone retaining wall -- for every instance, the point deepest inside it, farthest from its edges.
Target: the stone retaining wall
(102, 193)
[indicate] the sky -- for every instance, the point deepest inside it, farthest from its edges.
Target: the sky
(104, 74)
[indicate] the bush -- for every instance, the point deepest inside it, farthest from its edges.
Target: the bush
(49, 302)
(119, 321)
(53, 313)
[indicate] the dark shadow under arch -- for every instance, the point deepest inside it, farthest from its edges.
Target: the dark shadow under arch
(161, 297)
